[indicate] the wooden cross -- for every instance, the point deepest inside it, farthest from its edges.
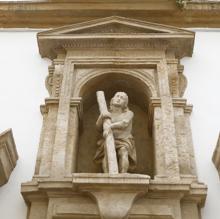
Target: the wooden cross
(109, 148)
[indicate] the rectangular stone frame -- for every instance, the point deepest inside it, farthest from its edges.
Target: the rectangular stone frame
(56, 188)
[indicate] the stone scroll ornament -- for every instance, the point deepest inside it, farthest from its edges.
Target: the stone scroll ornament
(116, 149)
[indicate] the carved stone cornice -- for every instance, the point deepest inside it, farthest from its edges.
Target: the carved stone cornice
(180, 102)
(8, 155)
(154, 102)
(77, 102)
(177, 102)
(48, 14)
(74, 102)
(128, 34)
(48, 102)
(116, 188)
(201, 5)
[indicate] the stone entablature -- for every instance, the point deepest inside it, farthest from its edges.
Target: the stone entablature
(141, 59)
(182, 13)
(216, 156)
(203, 5)
(8, 156)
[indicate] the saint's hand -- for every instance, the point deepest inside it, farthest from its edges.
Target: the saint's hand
(107, 129)
(107, 132)
(106, 115)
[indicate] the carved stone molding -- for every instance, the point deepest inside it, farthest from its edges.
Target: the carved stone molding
(8, 156)
(114, 194)
(149, 35)
(201, 5)
(179, 102)
(216, 156)
(141, 59)
(183, 13)
(54, 79)
(48, 102)
(77, 102)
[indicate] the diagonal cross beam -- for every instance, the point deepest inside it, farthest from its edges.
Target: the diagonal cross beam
(110, 152)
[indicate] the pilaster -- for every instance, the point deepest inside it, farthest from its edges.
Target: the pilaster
(62, 123)
(167, 123)
(75, 125)
(49, 111)
(183, 136)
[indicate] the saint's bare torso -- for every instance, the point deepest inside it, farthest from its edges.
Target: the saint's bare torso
(125, 119)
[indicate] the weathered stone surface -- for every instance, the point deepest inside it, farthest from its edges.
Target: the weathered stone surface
(201, 5)
(83, 196)
(216, 156)
(142, 60)
(149, 35)
(48, 14)
(8, 156)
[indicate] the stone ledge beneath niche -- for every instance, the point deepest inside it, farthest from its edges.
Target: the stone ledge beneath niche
(101, 193)
(113, 179)
(113, 190)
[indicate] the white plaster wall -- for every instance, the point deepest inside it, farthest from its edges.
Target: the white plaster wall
(22, 90)
(203, 91)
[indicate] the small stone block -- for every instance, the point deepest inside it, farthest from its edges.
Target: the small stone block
(8, 156)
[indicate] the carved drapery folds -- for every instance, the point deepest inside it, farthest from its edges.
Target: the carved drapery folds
(141, 59)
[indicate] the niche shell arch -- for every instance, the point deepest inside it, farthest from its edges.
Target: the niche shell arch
(138, 90)
(145, 79)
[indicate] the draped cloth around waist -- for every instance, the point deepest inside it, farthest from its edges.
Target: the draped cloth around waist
(119, 143)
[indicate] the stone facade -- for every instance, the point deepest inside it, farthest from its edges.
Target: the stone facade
(143, 60)
(8, 156)
(216, 156)
(203, 5)
(55, 13)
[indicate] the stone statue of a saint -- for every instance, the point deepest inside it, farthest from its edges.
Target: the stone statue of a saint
(120, 125)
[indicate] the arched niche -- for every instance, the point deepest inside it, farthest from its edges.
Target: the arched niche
(139, 94)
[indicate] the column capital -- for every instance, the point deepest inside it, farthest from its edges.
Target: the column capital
(182, 103)
(77, 102)
(48, 102)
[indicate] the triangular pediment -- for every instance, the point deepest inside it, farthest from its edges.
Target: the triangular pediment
(114, 28)
(115, 32)
(115, 25)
